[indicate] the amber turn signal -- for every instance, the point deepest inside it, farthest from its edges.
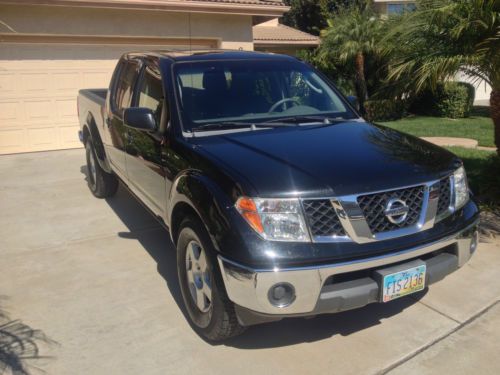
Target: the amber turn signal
(248, 210)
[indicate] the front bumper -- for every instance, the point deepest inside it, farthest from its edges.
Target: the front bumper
(316, 289)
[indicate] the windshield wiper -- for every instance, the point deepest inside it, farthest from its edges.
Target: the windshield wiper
(232, 125)
(308, 119)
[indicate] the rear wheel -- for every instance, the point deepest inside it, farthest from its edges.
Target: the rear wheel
(101, 183)
(210, 310)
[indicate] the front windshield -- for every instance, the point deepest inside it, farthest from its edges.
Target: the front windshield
(253, 91)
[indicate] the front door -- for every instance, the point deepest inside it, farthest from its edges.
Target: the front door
(145, 166)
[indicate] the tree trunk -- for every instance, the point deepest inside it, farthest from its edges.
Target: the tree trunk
(495, 115)
(360, 82)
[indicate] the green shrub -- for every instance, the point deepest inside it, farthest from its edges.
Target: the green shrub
(384, 110)
(450, 99)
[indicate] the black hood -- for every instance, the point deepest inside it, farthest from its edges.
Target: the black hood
(326, 160)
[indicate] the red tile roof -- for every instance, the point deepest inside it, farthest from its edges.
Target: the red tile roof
(269, 34)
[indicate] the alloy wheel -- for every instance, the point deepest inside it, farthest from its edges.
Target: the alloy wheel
(198, 276)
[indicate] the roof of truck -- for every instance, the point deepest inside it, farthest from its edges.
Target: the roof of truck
(214, 54)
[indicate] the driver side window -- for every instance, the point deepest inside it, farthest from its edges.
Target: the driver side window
(150, 93)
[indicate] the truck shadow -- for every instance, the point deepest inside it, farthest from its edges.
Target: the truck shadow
(299, 330)
(156, 241)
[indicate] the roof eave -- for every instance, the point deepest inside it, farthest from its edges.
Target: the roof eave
(271, 43)
(172, 6)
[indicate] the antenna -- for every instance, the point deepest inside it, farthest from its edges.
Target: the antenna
(190, 36)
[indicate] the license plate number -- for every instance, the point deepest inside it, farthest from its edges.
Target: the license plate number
(402, 283)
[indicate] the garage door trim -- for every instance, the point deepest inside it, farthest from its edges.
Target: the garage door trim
(106, 40)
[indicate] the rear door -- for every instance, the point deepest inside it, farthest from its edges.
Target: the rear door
(145, 150)
(121, 98)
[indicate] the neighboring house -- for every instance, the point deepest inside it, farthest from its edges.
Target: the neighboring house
(387, 7)
(271, 36)
(483, 90)
(49, 49)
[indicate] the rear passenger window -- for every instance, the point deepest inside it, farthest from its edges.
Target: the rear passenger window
(125, 86)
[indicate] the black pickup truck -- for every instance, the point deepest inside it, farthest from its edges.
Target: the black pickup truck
(281, 200)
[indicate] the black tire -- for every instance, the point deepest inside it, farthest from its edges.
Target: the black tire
(101, 183)
(219, 322)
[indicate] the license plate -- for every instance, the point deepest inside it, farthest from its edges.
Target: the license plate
(402, 283)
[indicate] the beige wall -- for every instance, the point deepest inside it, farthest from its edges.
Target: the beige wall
(232, 30)
(48, 53)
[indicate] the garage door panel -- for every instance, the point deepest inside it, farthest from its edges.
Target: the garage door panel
(12, 140)
(96, 78)
(7, 84)
(68, 136)
(35, 83)
(66, 82)
(40, 138)
(10, 112)
(65, 109)
(38, 111)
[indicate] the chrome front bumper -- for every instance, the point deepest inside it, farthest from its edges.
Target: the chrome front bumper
(249, 288)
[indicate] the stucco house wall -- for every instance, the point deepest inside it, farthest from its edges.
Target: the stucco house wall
(226, 31)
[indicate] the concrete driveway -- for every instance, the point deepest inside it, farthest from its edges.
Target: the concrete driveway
(98, 277)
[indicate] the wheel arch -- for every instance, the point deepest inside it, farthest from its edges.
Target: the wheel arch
(195, 194)
(91, 131)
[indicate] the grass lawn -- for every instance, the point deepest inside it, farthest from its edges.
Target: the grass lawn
(483, 172)
(478, 126)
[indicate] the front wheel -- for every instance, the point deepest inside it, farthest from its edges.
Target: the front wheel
(101, 183)
(210, 310)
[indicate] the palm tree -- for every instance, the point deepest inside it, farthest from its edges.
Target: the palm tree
(352, 35)
(444, 37)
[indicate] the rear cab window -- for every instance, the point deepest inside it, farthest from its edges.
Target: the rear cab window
(123, 89)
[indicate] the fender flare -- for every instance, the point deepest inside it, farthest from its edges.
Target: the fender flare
(199, 194)
(93, 131)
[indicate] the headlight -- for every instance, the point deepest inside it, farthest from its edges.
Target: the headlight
(274, 219)
(461, 188)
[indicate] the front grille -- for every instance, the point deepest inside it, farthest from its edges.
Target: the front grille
(374, 205)
(322, 219)
(444, 196)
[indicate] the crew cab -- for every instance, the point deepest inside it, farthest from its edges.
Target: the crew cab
(281, 200)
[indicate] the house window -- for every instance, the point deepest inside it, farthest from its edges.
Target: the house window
(399, 8)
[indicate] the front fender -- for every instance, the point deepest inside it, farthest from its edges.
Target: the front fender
(206, 199)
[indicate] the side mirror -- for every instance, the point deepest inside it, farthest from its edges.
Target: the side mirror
(354, 101)
(139, 118)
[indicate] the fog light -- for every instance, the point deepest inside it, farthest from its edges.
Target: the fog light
(281, 295)
(474, 241)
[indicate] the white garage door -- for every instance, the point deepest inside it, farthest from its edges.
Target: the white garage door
(39, 84)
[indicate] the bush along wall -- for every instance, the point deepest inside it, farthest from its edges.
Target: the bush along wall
(450, 99)
(384, 110)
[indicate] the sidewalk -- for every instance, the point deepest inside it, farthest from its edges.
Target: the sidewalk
(457, 142)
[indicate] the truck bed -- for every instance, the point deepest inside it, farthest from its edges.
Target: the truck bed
(96, 95)
(90, 106)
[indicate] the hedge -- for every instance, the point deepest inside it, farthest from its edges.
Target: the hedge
(384, 110)
(450, 99)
